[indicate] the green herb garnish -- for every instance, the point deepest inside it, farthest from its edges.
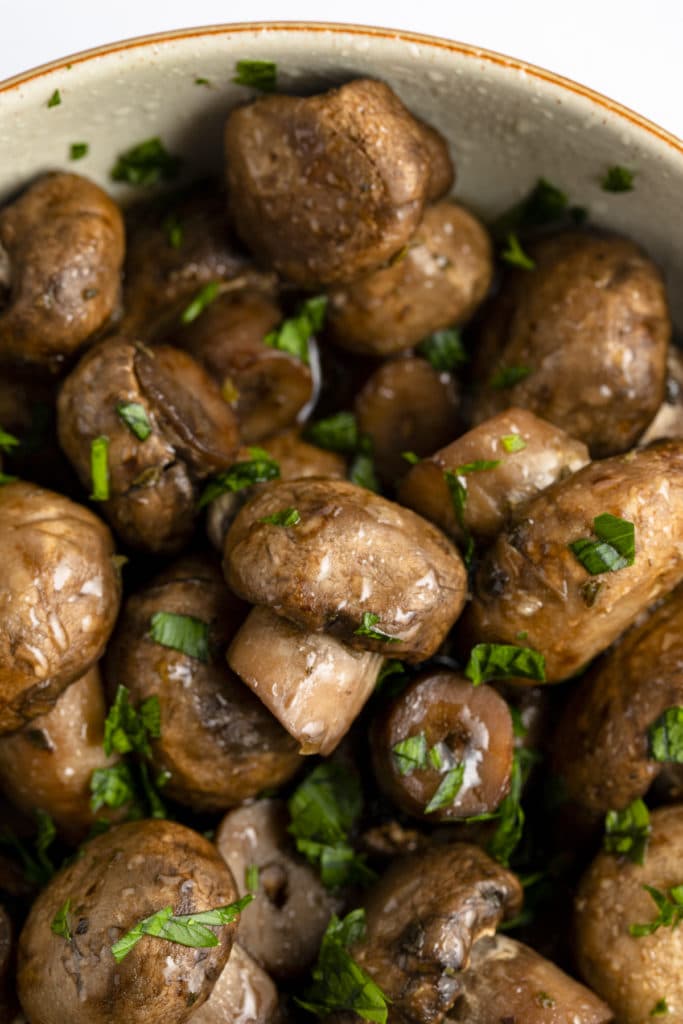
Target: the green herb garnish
(627, 832)
(504, 661)
(287, 517)
(293, 335)
(36, 863)
(337, 433)
(8, 441)
(411, 754)
(201, 81)
(183, 633)
(60, 922)
(256, 470)
(617, 179)
(508, 376)
(173, 229)
(251, 877)
(660, 1009)
(515, 255)
(362, 472)
(448, 789)
(443, 349)
(615, 548)
(127, 729)
(55, 99)
(411, 458)
(513, 443)
(78, 150)
(257, 74)
(134, 416)
(666, 736)
(457, 488)
(193, 930)
(368, 628)
(146, 164)
(670, 911)
(99, 468)
(204, 297)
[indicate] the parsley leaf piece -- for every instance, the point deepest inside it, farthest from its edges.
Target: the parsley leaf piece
(155, 805)
(457, 488)
(55, 99)
(617, 179)
(251, 877)
(670, 911)
(113, 787)
(410, 754)
(545, 204)
(368, 628)
(99, 468)
(660, 1009)
(6, 478)
(504, 661)
(193, 930)
(362, 472)
(448, 789)
(36, 864)
(443, 349)
(134, 416)
(60, 922)
(293, 334)
(337, 433)
(338, 982)
(146, 164)
(508, 376)
(411, 458)
(256, 470)
(615, 548)
(77, 150)
(510, 814)
(8, 441)
(183, 633)
(286, 517)
(515, 255)
(257, 74)
(204, 297)
(126, 729)
(628, 832)
(202, 81)
(173, 229)
(390, 669)
(513, 443)
(666, 736)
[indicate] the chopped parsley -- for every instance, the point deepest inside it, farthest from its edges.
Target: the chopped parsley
(60, 922)
(251, 877)
(443, 349)
(515, 255)
(113, 787)
(448, 789)
(78, 150)
(666, 736)
(362, 472)
(457, 488)
(411, 754)
(134, 416)
(202, 81)
(35, 860)
(411, 458)
(126, 729)
(99, 468)
(255, 470)
(55, 99)
(257, 74)
(193, 930)
(615, 548)
(173, 229)
(368, 628)
(323, 809)
(510, 814)
(338, 982)
(513, 443)
(8, 441)
(670, 911)
(184, 633)
(508, 376)
(504, 661)
(617, 179)
(545, 204)
(287, 517)
(660, 1009)
(146, 164)
(204, 297)
(337, 433)
(292, 336)
(6, 478)
(627, 832)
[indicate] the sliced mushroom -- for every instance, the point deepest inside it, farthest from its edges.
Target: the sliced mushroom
(121, 878)
(633, 973)
(244, 993)
(423, 917)
(283, 926)
(438, 726)
(218, 742)
(406, 405)
(439, 279)
(63, 248)
(356, 565)
(507, 981)
(49, 763)
(529, 453)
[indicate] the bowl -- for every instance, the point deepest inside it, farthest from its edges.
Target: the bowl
(508, 122)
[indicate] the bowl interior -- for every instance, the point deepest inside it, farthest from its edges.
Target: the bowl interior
(508, 124)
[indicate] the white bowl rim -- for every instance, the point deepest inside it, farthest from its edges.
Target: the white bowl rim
(352, 30)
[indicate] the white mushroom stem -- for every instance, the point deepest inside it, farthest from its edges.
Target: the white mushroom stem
(243, 994)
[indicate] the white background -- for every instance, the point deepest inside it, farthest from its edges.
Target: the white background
(631, 50)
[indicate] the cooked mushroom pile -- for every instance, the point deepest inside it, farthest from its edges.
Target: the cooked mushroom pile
(341, 606)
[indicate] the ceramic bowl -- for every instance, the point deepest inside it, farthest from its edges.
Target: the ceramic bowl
(508, 122)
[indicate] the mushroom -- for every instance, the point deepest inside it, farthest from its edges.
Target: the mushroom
(498, 466)
(49, 763)
(218, 743)
(442, 730)
(314, 684)
(634, 973)
(244, 993)
(61, 250)
(669, 419)
(438, 280)
(284, 924)
(123, 877)
(59, 597)
(423, 917)
(166, 427)
(507, 981)
(355, 565)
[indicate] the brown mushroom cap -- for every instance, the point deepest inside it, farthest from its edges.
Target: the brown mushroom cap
(63, 245)
(543, 455)
(508, 981)
(633, 973)
(218, 742)
(326, 188)
(423, 917)
(49, 763)
(122, 877)
(439, 281)
(244, 993)
(530, 581)
(283, 926)
(592, 325)
(59, 597)
(352, 553)
(467, 725)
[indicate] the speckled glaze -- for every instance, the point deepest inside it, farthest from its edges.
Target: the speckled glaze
(508, 122)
